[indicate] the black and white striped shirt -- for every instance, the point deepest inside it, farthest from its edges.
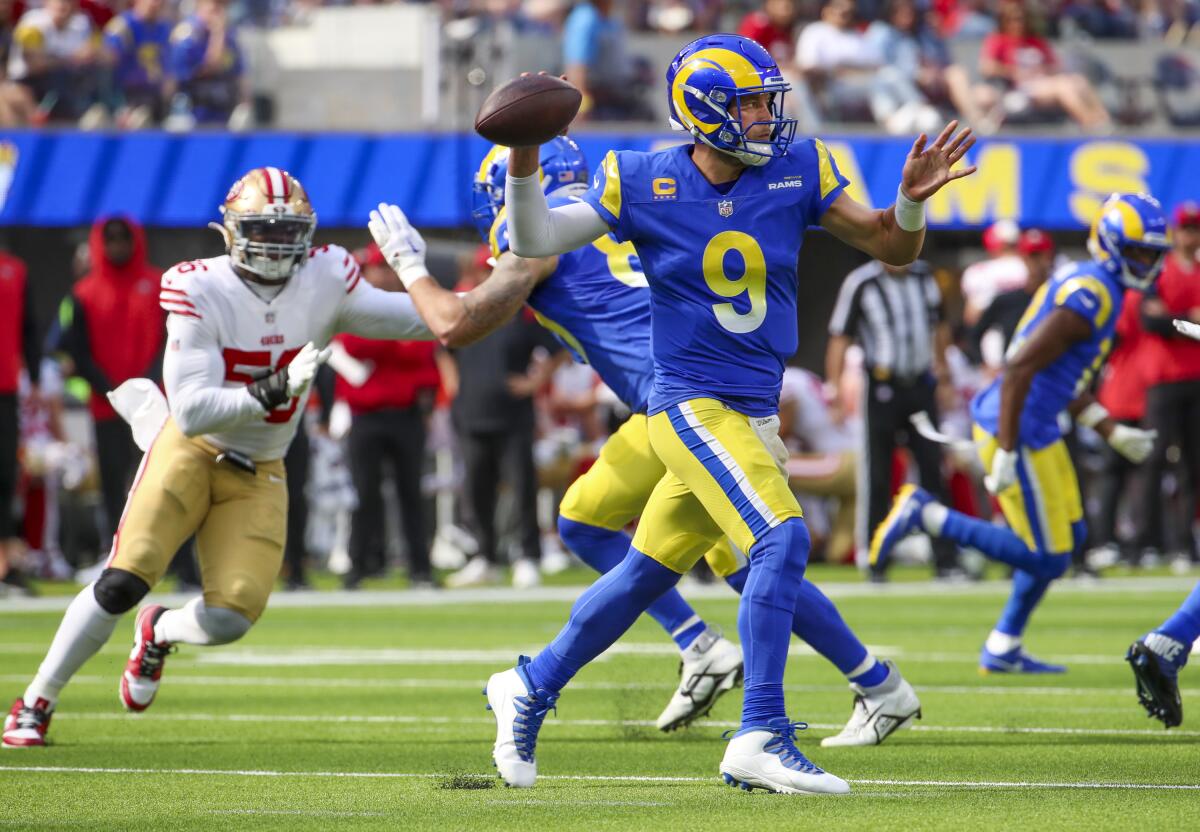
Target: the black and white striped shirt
(893, 316)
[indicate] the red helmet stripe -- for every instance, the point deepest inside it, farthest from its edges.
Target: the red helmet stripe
(269, 184)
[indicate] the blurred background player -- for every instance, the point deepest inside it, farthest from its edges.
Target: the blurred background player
(895, 314)
(237, 373)
(388, 410)
(1172, 365)
(18, 348)
(717, 372)
(1060, 344)
(995, 326)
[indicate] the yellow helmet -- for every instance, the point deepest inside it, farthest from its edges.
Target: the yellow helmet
(268, 224)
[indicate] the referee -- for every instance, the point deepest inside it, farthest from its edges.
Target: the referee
(894, 313)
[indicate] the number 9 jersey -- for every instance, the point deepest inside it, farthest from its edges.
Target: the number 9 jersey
(721, 265)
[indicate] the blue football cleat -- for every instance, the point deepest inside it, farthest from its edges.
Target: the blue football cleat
(520, 709)
(766, 757)
(901, 521)
(1014, 661)
(1156, 675)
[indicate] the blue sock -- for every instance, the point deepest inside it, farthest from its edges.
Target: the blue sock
(1184, 625)
(1027, 592)
(997, 542)
(601, 616)
(765, 617)
(819, 624)
(602, 549)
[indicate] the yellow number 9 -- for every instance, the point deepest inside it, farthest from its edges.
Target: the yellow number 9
(752, 283)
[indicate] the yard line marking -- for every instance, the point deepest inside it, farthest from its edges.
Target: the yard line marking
(316, 813)
(408, 719)
(473, 685)
(693, 591)
(599, 778)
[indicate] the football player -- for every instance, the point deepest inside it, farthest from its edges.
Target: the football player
(596, 301)
(1059, 346)
(245, 335)
(718, 226)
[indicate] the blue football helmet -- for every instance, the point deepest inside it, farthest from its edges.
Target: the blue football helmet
(705, 85)
(561, 168)
(1129, 238)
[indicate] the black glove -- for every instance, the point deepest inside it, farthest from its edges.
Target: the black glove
(271, 390)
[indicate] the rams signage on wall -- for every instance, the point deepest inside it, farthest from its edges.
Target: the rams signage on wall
(68, 179)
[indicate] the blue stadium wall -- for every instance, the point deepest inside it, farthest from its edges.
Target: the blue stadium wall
(55, 179)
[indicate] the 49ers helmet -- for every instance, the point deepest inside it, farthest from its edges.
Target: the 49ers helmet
(268, 224)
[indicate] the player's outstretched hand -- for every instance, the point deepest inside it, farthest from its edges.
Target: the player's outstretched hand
(304, 366)
(927, 169)
(402, 245)
(1188, 328)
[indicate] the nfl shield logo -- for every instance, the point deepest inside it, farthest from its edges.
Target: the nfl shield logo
(725, 207)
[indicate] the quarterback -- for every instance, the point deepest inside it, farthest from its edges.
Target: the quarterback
(597, 303)
(718, 226)
(1060, 344)
(245, 335)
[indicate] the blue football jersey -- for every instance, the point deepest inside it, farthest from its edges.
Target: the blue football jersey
(721, 265)
(597, 305)
(1087, 289)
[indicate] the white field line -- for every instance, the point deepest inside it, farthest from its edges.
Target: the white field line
(405, 719)
(692, 591)
(596, 778)
(475, 685)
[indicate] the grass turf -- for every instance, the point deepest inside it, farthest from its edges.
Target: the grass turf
(391, 697)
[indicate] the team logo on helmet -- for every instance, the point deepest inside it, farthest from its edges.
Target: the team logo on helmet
(562, 169)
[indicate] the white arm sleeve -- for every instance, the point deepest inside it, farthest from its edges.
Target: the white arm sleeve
(534, 230)
(374, 313)
(194, 375)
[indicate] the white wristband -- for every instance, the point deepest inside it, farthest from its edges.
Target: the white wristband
(411, 275)
(910, 215)
(1092, 415)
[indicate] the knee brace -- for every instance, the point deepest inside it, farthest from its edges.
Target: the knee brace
(222, 625)
(118, 591)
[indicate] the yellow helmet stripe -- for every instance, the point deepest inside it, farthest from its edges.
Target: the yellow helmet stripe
(740, 69)
(1131, 221)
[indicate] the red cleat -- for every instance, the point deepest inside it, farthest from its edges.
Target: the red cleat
(25, 727)
(144, 669)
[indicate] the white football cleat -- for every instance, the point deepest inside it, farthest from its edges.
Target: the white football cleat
(143, 671)
(477, 572)
(878, 713)
(519, 712)
(710, 666)
(767, 758)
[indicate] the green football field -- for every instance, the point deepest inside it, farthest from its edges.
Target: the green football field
(364, 712)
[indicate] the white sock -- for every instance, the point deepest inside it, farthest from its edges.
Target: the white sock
(195, 623)
(933, 518)
(84, 630)
(999, 643)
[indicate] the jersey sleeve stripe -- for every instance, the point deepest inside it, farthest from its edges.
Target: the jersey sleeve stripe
(185, 312)
(611, 198)
(168, 290)
(176, 301)
(357, 277)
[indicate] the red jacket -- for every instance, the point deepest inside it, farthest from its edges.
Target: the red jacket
(400, 370)
(1176, 358)
(125, 324)
(13, 326)
(1127, 375)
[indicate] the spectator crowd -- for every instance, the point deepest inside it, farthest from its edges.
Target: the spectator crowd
(894, 63)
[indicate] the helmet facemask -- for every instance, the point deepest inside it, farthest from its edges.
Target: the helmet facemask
(733, 138)
(1141, 265)
(272, 247)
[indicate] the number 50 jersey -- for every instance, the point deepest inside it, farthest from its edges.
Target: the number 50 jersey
(721, 264)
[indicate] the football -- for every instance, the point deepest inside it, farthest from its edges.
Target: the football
(528, 111)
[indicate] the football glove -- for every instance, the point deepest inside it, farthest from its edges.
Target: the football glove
(281, 386)
(1003, 474)
(1134, 444)
(401, 244)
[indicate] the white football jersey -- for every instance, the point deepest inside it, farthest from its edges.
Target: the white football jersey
(234, 337)
(813, 425)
